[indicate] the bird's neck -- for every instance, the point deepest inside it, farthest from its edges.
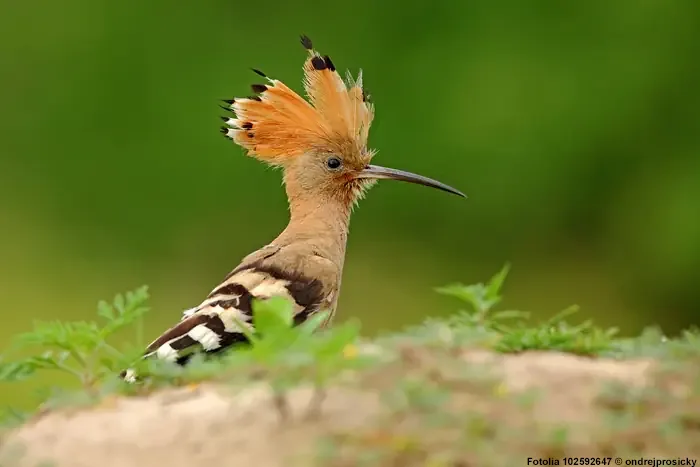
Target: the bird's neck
(317, 221)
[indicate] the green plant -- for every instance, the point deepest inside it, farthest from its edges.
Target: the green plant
(295, 354)
(285, 353)
(439, 407)
(511, 330)
(79, 348)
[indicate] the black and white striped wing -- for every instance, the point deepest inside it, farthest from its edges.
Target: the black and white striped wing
(214, 324)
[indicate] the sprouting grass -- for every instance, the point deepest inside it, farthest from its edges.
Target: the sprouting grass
(432, 377)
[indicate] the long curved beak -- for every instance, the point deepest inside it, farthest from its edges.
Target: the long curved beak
(377, 172)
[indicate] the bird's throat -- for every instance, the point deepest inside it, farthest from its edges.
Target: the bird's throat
(321, 223)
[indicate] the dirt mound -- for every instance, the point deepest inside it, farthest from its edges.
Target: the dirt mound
(473, 408)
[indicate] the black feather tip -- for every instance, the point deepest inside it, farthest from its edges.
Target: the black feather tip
(229, 101)
(227, 109)
(223, 129)
(329, 63)
(258, 88)
(255, 98)
(306, 42)
(318, 63)
(258, 72)
(225, 119)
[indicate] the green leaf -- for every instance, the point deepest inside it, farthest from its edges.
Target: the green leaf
(309, 326)
(559, 317)
(105, 311)
(510, 314)
(47, 360)
(15, 371)
(481, 297)
(493, 288)
(119, 303)
(78, 336)
(272, 316)
(467, 293)
(129, 310)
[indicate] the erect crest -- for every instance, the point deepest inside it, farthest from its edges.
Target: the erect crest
(277, 123)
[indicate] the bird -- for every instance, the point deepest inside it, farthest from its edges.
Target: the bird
(321, 146)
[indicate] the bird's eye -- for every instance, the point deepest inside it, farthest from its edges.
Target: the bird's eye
(333, 163)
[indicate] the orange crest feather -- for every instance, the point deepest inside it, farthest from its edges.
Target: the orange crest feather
(279, 123)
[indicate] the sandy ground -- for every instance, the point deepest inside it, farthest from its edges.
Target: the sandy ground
(217, 425)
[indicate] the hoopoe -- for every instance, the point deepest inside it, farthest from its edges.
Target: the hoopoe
(321, 145)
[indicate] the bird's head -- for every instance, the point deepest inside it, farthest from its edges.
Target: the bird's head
(321, 144)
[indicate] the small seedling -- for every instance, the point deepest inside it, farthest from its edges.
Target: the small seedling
(481, 298)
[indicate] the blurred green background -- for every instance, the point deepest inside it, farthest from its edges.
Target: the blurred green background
(574, 127)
